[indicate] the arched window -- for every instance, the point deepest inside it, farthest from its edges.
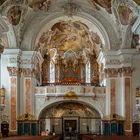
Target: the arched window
(88, 73)
(52, 73)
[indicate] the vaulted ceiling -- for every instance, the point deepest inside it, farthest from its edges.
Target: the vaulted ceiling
(23, 22)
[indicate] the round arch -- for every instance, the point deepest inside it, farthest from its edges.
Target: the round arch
(69, 101)
(33, 29)
(79, 124)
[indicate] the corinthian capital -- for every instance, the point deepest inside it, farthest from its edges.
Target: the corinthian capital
(112, 72)
(127, 71)
(28, 72)
(13, 71)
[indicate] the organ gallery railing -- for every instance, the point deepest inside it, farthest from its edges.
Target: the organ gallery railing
(62, 90)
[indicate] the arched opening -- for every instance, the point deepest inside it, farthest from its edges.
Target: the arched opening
(70, 118)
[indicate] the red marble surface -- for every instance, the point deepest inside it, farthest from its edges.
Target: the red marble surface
(28, 98)
(127, 104)
(113, 96)
(13, 103)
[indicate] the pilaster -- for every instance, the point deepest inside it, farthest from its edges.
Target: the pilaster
(118, 73)
(12, 90)
(30, 75)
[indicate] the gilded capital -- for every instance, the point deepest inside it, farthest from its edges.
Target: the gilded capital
(14, 71)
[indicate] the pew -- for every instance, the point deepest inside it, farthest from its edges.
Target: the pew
(33, 138)
(93, 137)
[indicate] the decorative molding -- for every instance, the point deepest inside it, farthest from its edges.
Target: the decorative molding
(13, 60)
(27, 72)
(114, 72)
(127, 71)
(113, 62)
(26, 61)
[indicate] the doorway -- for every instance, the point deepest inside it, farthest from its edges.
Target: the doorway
(70, 125)
(70, 128)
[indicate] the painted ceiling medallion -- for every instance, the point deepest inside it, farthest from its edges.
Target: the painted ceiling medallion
(39, 4)
(14, 15)
(125, 15)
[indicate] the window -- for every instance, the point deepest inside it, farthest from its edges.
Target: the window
(52, 72)
(88, 73)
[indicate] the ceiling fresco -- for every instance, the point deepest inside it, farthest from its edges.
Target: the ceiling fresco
(27, 15)
(69, 35)
(70, 109)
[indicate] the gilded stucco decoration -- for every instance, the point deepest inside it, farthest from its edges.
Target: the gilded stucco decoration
(125, 14)
(70, 95)
(39, 4)
(103, 3)
(14, 15)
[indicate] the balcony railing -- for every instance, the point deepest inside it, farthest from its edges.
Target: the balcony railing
(79, 90)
